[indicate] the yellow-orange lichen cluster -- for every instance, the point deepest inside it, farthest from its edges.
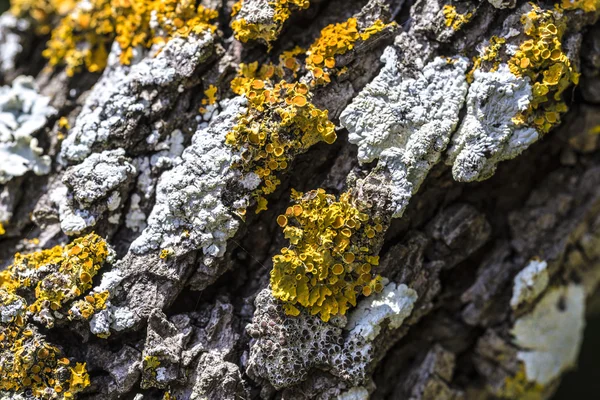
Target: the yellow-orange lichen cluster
(42, 12)
(336, 39)
(84, 36)
(245, 30)
(330, 259)
(543, 60)
(52, 277)
(453, 18)
(280, 123)
(585, 5)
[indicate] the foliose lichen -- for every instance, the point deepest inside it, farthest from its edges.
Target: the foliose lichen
(279, 124)
(529, 283)
(406, 121)
(53, 278)
(263, 19)
(84, 36)
(23, 112)
(330, 260)
(550, 336)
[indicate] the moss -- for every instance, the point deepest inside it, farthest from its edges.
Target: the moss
(330, 260)
(52, 277)
(543, 60)
(454, 19)
(336, 39)
(85, 35)
(280, 123)
(245, 30)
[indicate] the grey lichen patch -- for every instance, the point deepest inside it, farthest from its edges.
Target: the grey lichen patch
(488, 133)
(97, 186)
(407, 121)
(23, 111)
(285, 349)
(191, 211)
(550, 336)
(125, 95)
(530, 283)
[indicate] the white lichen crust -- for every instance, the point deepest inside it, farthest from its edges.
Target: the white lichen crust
(23, 112)
(407, 121)
(550, 336)
(530, 283)
(190, 211)
(285, 349)
(488, 133)
(125, 95)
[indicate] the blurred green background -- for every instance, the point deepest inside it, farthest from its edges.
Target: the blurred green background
(584, 383)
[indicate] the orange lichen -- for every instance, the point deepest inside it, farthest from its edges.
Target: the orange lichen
(43, 12)
(329, 261)
(84, 36)
(268, 31)
(280, 123)
(453, 18)
(543, 60)
(336, 39)
(58, 275)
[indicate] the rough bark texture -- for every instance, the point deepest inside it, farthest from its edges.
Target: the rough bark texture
(490, 241)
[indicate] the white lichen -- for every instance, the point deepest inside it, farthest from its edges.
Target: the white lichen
(23, 112)
(407, 121)
(355, 393)
(394, 304)
(11, 40)
(529, 283)
(126, 94)
(550, 336)
(190, 212)
(488, 133)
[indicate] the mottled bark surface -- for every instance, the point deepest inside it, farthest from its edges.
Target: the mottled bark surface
(491, 231)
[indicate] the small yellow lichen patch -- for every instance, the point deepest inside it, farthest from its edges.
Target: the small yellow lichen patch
(336, 39)
(2, 230)
(455, 19)
(280, 123)
(84, 36)
(330, 257)
(489, 55)
(543, 60)
(245, 31)
(88, 306)
(166, 253)
(211, 95)
(585, 5)
(518, 387)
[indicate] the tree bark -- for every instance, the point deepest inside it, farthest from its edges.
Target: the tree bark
(490, 228)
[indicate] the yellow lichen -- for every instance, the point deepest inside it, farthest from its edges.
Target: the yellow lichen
(585, 5)
(336, 39)
(329, 261)
(88, 306)
(2, 230)
(245, 31)
(280, 123)
(518, 387)
(42, 12)
(85, 35)
(211, 95)
(166, 253)
(453, 18)
(58, 275)
(489, 55)
(543, 60)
